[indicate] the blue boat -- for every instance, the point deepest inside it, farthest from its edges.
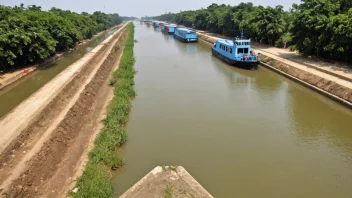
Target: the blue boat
(156, 24)
(186, 35)
(236, 52)
(168, 29)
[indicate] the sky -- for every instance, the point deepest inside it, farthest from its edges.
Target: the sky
(138, 8)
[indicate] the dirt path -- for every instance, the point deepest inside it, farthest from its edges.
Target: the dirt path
(55, 141)
(6, 79)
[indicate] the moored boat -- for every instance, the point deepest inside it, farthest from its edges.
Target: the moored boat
(236, 52)
(168, 29)
(186, 35)
(156, 24)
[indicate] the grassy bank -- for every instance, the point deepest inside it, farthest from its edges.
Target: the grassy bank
(95, 180)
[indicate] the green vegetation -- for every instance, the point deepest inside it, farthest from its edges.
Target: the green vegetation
(168, 192)
(173, 168)
(29, 34)
(314, 27)
(95, 181)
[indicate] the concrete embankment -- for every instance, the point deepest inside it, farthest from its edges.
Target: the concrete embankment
(334, 85)
(167, 181)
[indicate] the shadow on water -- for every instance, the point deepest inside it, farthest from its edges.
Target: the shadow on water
(14, 94)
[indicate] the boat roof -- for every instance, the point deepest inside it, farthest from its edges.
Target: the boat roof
(230, 42)
(186, 30)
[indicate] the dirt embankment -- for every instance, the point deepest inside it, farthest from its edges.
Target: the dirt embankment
(331, 87)
(208, 39)
(8, 78)
(44, 158)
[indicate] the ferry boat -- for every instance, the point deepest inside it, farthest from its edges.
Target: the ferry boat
(236, 52)
(186, 35)
(168, 29)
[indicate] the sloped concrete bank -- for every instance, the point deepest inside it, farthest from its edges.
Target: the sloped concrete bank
(329, 88)
(168, 181)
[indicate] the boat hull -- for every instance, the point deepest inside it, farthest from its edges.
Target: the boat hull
(169, 33)
(245, 65)
(185, 40)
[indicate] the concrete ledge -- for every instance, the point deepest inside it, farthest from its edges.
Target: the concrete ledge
(163, 181)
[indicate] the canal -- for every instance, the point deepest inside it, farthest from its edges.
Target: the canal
(239, 133)
(14, 94)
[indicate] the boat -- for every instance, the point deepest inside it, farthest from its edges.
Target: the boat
(186, 35)
(236, 52)
(168, 29)
(156, 24)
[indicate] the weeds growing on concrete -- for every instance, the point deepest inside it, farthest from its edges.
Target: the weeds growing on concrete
(95, 180)
(168, 191)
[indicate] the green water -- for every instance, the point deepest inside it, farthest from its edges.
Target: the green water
(13, 95)
(239, 133)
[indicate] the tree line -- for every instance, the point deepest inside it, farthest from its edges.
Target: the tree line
(29, 34)
(313, 27)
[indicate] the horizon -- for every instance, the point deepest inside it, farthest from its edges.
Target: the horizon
(145, 8)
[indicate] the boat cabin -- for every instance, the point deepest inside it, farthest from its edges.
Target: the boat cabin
(237, 51)
(156, 24)
(186, 35)
(169, 29)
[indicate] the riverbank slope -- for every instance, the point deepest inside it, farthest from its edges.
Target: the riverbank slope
(9, 78)
(45, 138)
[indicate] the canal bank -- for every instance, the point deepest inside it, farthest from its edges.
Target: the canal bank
(26, 84)
(44, 157)
(336, 85)
(239, 133)
(8, 78)
(103, 158)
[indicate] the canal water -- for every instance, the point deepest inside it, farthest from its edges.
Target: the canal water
(13, 95)
(239, 133)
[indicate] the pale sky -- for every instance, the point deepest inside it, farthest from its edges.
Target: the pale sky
(138, 8)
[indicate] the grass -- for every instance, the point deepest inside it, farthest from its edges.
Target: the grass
(173, 168)
(112, 82)
(95, 180)
(168, 192)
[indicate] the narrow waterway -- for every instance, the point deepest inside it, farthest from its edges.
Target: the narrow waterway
(13, 95)
(239, 133)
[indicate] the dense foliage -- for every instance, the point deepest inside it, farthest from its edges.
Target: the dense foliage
(30, 34)
(314, 27)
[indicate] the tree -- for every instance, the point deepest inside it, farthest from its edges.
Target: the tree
(29, 34)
